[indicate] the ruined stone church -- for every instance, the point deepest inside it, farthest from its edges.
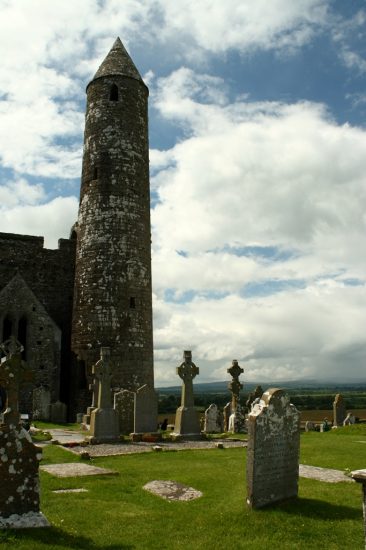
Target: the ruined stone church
(95, 289)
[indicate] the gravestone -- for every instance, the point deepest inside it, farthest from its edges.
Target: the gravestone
(186, 417)
(350, 419)
(58, 412)
(41, 403)
(360, 477)
(339, 410)
(235, 424)
(309, 426)
(273, 449)
(227, 413)
(93, 386)
(237, 421)
(212, 423)
(104, 419)
(19, 457)
(146, 410)
(124, 405)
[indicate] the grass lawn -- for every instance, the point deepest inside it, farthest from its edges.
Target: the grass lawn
(118, 514)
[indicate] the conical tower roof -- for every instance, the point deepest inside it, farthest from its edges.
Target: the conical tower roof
(118, 62)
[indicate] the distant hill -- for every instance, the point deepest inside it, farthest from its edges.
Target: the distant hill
(222, 387)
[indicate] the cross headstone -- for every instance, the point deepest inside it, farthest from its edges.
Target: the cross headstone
(237, 417)
(19, 494)
(186, 417)
(13, 373)
(104, 419)
(273, 449)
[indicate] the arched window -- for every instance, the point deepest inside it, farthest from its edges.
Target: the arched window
(113, 93)
(22, 335)
(7, 328)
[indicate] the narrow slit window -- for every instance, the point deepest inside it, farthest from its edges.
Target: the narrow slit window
(113, 94)
(132, 302)
(95, 173)
(22, 335)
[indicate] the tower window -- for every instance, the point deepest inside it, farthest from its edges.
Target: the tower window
(22, 335)
(113, 93)
(95, 173)
(132, 302)
(7, 328)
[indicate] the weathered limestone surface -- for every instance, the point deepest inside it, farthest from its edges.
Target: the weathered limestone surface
(213, 420)
(339, 410)
(273, 449)
(113, 300)
(186, 416)
(172, 490)
(19, 457)
(360, 477)
(237, 423)
(41, 403)
(104, 419)
(124, 405)
(146, 410)
(227, 414)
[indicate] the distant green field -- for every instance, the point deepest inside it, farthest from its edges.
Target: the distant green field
(116, 513)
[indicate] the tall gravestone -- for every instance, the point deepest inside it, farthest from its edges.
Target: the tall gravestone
(104, 419)
(19, 457)
(124, 405)
(227, 414)
(146, 410)
(186, 417)
(41, 403)
(237, 417)
(273, 449)
(339, 410)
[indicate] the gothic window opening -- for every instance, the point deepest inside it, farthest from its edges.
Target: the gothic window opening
(7, 328)
(113, 93)
(22, 335)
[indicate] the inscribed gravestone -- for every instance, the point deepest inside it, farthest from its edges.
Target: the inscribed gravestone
(19, 457)
(273, 449)
(212, 422)
(104, 419)
(41, 403)
(124, 405)
(146, 410)
(186, 417)
(339, 410)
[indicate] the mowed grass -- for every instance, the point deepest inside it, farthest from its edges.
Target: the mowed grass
(116, 513)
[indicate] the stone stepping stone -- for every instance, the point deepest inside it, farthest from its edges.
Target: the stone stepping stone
(172, 490)
(74, 469)
(323, 474)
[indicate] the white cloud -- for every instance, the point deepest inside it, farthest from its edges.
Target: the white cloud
(57, 216)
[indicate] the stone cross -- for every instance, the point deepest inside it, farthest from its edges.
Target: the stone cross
(235, 386)
(13, 373)
(101, 371)
(187, 371)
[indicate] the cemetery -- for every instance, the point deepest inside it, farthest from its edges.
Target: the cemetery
(262, 482)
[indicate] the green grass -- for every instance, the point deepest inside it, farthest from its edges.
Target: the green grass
(118, 514)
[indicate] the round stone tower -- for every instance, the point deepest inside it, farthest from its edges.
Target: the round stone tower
(112, 299)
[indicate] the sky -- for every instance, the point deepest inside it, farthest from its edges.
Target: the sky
(257, 121)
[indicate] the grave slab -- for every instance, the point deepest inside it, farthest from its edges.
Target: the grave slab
(74, 469)
(172, 490)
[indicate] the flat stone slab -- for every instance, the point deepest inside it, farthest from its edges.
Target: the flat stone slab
(66, 436)
(61, 491)
(323, 474)
(172, 490)
(113, 449)
(24, 521)
(74, 469)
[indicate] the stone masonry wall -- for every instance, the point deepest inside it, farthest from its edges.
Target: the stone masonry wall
(113, 263)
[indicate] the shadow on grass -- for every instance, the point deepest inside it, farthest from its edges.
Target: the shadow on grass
(318, 509)
(56, 537)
